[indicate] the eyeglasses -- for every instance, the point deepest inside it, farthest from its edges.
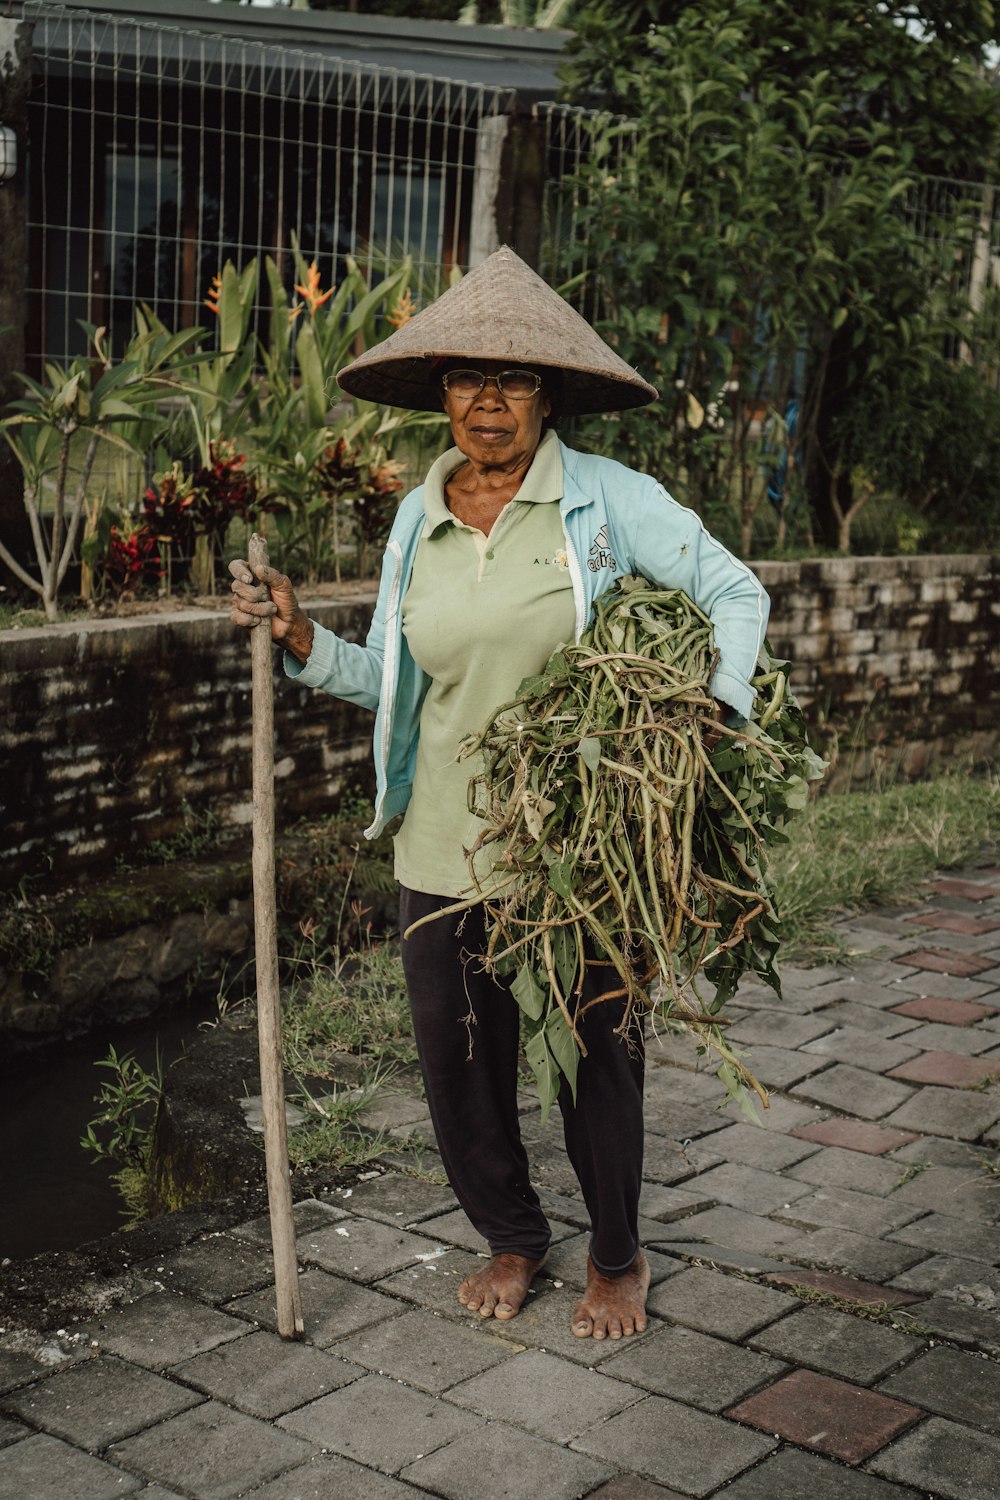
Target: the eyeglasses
(518, 385)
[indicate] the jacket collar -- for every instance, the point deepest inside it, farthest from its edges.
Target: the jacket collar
(573, 496)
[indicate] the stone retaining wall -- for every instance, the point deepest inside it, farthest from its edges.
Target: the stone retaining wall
(122, 950)
(895, 658)
(118, 732)
(109, 729)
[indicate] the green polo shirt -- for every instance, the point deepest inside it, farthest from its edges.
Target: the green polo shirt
(480, 614)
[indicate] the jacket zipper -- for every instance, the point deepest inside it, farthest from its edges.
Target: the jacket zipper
(389, 668)
(576, 574)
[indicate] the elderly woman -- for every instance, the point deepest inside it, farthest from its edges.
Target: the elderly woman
(492, 562)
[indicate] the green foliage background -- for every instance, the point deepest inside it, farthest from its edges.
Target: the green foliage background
(750, 239)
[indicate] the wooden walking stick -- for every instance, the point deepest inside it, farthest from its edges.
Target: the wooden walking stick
(272, 1076)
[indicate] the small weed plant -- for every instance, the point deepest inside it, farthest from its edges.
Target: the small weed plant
(356, 1005)
(28, 942)
(351, 1002)
(333, 1132)
(199, 833)
(122, 1131)
(871, 1312)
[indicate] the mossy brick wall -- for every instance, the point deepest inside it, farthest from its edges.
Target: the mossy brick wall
(895, 658)
(108, 728)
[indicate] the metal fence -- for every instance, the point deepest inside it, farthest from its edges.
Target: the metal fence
(156, 154)
(962, 219)
(570, 137)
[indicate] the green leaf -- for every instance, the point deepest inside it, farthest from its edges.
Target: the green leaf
(563, 1048)
(113, 378)
(230, 312)
(111, 406)
(386, 291)
(561, 877)
(528, 992)
(314, 392)
(796, 793)
(565, 955)
(746, 1100)
(545, 1069)
(589, 750)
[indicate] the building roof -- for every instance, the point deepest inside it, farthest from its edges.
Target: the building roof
(518, 58)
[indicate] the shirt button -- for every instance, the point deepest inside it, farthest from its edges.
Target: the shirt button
(490, 555)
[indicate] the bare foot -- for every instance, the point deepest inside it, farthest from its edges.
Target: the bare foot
(613, 1306)
(498, 1290)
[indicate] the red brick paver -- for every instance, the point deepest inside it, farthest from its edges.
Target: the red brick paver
(854, 1135)
(945, 961)
(948, 1069)
(955, 921)
(949, 1012)
(827, 1415)
(848, 1288)
(969, 890)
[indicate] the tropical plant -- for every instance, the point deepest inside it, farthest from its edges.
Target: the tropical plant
(316, 454)
(90, 401)
(232, 445)
(122, 1130)
(190, 513)
(226, 394)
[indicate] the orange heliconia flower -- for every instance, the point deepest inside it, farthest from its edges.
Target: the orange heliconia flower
(383, 475)
(403, 311)
(310, 291)
(214, 293)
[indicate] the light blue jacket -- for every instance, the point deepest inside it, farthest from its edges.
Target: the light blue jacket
(615, 521)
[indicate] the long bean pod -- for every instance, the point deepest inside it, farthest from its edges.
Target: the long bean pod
(629, 829)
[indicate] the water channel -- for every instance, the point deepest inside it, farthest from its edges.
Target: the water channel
(55, 1195)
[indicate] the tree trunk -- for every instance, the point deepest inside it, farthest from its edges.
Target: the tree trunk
(845, 515)
(826, 502)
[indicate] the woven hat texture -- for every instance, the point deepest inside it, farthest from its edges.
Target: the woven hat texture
(501, 310)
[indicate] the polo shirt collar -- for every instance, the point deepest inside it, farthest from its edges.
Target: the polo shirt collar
(542, 484)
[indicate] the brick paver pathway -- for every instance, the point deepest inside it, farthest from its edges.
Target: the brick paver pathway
(824, 1315)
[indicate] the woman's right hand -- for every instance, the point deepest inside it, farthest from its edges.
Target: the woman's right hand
(263, 593)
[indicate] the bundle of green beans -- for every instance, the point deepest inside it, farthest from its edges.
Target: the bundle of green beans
(627, 828)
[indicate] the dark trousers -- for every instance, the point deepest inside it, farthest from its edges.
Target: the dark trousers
(466, 1026)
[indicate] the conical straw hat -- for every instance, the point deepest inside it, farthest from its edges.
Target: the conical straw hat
(501, 310)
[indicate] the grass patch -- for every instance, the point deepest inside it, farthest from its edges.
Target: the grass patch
(854, 850)
(353, 1007)
(358, 1006)
(871, 1312)
(333, 1132)
(21, 617)
(913, 1170)
(198, 834)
